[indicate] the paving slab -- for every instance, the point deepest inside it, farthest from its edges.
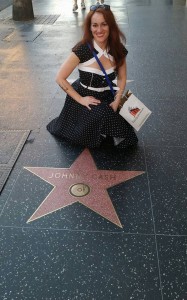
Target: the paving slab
(11, 144)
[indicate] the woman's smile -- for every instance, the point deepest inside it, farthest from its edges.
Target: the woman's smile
(99, 29)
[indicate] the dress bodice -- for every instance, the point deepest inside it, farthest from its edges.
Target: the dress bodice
(89, 75)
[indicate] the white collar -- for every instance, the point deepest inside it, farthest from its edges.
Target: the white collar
(101, 51)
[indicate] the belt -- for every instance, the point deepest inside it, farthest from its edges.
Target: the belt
(101, 89)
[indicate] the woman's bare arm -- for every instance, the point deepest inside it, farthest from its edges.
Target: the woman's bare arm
(66, 69)
(121, 83)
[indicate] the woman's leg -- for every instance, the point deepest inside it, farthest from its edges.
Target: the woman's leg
(83, 6)
(75, 6)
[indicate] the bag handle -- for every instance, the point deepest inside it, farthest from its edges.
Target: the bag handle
(103, 70)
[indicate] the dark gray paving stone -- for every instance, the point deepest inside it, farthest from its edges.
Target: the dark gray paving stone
(172, 261)
(4, 4)
(36, 89)
(139, 3)
(159, 65)
(31, 118)
(4, 173)
(11, 144)
(73, 265)
(22, 36)
(167, 124)
(5, 32)
(161, 87)
(166, 167)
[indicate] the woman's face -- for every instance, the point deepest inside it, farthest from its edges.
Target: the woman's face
(99, 29)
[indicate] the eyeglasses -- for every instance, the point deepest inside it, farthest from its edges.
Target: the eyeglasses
(96, 6)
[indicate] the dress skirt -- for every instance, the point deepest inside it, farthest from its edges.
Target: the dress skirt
(79, 125)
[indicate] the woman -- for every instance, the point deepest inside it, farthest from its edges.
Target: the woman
(90, 114)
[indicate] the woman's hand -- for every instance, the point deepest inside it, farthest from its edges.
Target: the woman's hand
(114, 105)
(89, 100)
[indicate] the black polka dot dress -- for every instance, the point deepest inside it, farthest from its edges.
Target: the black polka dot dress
(79, 125)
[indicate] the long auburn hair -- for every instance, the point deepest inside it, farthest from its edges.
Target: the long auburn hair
(114, 39)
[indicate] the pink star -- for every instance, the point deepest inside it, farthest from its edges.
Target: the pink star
(83, 183)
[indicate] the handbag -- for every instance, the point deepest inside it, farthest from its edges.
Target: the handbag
(130, 107)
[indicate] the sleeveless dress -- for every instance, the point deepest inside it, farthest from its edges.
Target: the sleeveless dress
(79, 125)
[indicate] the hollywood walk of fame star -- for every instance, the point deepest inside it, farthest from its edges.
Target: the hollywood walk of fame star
(82, 183)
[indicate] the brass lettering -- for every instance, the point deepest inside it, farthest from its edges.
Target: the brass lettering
(71, 175)
(64, 175)
(57, 175)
